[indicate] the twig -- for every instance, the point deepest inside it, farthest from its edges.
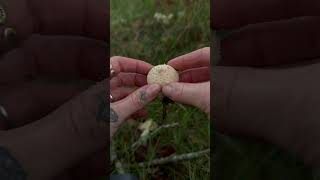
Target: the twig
(182, 106)
(175, 158)
(143, 139)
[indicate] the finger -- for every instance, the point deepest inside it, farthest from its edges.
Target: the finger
(62, 138)
(233, 13)
(59, 57)
(71, 17)
(197, 94)
(128, 79)
(124, 64)
(198, 58)
(273, 43)
(195, 75)
(122, 92)
(31, 101)
(123, 109)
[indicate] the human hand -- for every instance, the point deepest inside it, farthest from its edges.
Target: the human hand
(277, 46)
(194, 86)
(129, 90)
(57, 52)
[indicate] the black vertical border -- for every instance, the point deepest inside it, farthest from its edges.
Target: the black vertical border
(211, 97)
(108, 163)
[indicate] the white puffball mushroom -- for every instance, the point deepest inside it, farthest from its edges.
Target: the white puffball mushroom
(162, 74)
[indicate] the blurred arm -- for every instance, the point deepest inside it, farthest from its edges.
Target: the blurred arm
(279, 105)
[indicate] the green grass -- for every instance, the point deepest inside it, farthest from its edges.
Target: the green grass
(135, 33)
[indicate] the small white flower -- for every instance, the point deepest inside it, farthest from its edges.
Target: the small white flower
(122, 20)
(162, 18)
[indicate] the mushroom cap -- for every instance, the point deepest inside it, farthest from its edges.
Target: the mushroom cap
(162, 74)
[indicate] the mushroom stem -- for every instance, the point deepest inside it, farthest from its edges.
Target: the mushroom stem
(165, 101)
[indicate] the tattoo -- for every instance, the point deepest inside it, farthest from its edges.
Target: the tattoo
(10, 168)
(113, 116)
(103, 111)
(103, 114)
(143, 96)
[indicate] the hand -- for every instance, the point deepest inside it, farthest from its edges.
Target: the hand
(194, 86)
(276, 103)
(129, 90)
(267, 34)
(47, 73)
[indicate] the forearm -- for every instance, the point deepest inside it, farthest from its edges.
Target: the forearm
(278, 105)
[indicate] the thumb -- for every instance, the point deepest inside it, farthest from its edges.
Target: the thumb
(195, 94)
(121, 110)
(53, 144)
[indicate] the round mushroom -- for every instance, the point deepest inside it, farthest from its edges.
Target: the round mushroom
(162, 74)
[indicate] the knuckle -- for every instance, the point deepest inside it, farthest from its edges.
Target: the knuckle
(136, 100)
(113, 58)
(81, 120)
(204, 103)
(179, 90)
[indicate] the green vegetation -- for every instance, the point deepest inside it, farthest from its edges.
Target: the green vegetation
(136, 33)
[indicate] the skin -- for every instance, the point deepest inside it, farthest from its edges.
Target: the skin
(58, 123)
(32, 86)
(130, 90)
(113, 116)
(274, 54)
(194, 72)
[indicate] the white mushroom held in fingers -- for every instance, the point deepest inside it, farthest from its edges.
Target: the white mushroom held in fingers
(162, 75)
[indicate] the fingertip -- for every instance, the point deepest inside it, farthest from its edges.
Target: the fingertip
(173, 63)
(153, 90)
(147, 66)
(167, 89)
(170, 62)
(114, 64)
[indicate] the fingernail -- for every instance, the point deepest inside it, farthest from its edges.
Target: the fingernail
(153, 89)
